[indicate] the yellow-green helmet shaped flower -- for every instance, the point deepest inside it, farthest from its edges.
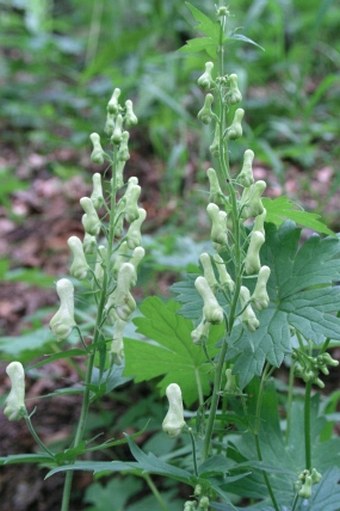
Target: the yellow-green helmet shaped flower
(15, 402)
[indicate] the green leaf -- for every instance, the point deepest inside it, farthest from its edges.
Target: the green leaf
(245, 39)
(173, 356)
(96, 467)
(152, 465)
(302, 296)
(14, 459)
(281, 209)
(284, 459)
(24, 347)
(200, 44)
(205, 25)
(101, 496)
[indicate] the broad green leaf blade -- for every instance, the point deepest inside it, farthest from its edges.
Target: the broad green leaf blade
(205, 25)
(271, 341)
(173, 356)
(199, 44)
(302, 297)
(153, 465)
(282, 208)
(25, 346)
(97, 467)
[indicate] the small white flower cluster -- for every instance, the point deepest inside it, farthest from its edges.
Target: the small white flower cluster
(114, 263)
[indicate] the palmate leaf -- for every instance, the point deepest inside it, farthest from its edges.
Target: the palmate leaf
(281, 209)
(173, 356)
(206, 26)
(302, 296)
(284, 458)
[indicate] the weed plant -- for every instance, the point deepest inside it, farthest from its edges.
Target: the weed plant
(259, 299)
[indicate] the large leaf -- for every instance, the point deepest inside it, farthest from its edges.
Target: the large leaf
(302, 296)
(284, 458)
(173, 356)
(281, 209)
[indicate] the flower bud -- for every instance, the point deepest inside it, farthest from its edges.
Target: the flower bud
(201, 332)
(79, 266)
(260, 296)
(117, 345)
(235, 129)
(208, 270)
(216, 196)
(206, 114)
(113, 105)
(137, 256)
(224, 278)
(130, 117)
(246, 177)
(259, 222)
(120, 303)
(206, 80)
(131, 197)
(15, 402)
(174, 422)
(233, 95)
(63, 322)
(212, 311)
(97, 197)
(109, 124)
(90, 219)
(118, 170)
(306, 490)
(214, 147)
(97, 155)
(89, 243)
(117, 133)
(252, 262)
(218, 220)
(133, 235)
(100, 264)
(123, 151)
(250, 203)
(121, 256)
(248, 315)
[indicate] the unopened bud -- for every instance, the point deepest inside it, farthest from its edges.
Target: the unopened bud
(212, 311)
(251, 204)
(97, 155)
(235, 129)
(130, 198)
(206, 80)
(123, 152)
(117, 344)
(117, 130)
(97, 197)
(174, 422)
(260, 296)
(206, 114)
(63, 322)
(246, 177)
(90, 219)
(208, 270)
(248, 315)
(218, 218)
(130, 117)
(15, 402)
(79, 266)
(233, 95)
(113, 104)
(252, 263)
(133, 235)
(216, 196)
(224, 278)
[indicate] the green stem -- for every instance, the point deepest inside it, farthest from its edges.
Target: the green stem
(155, 492)
(296, 499)
(307, 426)
(290, 399)
(36, 436)
(194, 457)
(257, 439)
(214, 400)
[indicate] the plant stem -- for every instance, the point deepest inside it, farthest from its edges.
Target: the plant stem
(155, 492)
(290, 399)
(257, 439)
(193, 451)
(36, 436)
(307, 425)
(214, 400)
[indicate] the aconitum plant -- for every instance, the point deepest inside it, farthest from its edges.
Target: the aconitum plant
(260, 299)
